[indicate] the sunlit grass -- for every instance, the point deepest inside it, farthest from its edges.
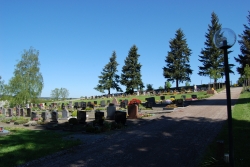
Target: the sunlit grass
(241, 134)
(24, 145)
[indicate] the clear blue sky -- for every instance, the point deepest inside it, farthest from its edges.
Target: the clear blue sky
(76, 38)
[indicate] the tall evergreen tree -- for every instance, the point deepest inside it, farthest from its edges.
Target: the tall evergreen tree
(178, 67)
(108, 78)
(131, 71)
(244, 57)
(211, 57)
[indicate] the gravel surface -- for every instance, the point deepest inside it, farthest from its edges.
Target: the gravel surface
(176, 139)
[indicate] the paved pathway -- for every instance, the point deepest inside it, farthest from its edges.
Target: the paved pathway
(176, 139)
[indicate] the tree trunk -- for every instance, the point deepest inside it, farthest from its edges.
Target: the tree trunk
(108, 91)
(177, 84)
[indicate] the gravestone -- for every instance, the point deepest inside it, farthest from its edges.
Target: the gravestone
(63, 106)
(194, 96)
(95, 102)
(33, 115)
(83, 105)
(122, 104)
(22, 112)
(70, 104)
(133, 111)
(126, 103)
(76, 105)
(54, 116)
(4, 111)
(10, 112)
(99, 117)
(162, 97)
(120, 117)
(65, 114)
(103, 103)
(28, 112)
(183, 97)
(172, 97)
(151, 100)
(179, 103)
(114, 101)
(18, 112)
(111, 112)
(45, 116)
(81, 116)
(27, 106)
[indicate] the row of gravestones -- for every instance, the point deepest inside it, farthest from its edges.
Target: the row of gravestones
(183, 97)
(103, 103)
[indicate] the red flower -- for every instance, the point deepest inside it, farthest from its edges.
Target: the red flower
(134, 101)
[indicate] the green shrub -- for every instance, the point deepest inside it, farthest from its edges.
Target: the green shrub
(74, 113)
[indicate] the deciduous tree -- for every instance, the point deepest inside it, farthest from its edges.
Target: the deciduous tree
(27, 82)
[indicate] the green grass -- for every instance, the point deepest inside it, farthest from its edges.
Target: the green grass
(241, 135)
(25, 145)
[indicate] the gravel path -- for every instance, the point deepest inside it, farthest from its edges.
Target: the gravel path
(176, 139)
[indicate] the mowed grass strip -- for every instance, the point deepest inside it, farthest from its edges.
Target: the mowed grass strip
(241, 136)
(24, 145)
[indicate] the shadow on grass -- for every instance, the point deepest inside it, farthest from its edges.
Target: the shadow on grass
(24, 145)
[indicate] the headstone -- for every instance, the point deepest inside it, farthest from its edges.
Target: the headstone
(27, 106)
(172, 97)
(45, 116)
(54, 116)
(99, 117)
(10, 112)
(83, 105)
(28, 112)
(138, 93)
(151, 100)
(122, 104)
(114, 101)
(4, 111)
(95, 102)
(18, 112)
(194, 96)
(126, 103)
(76, 105)
(33, 115)
(22, 112)
(120, 117)
(111, 112)
(70, 104)
(183, 97)
(63, 106)
(179, 103)
(81, 116)
(65, 114)
(103, 103)
(133, 111)
(162, 97)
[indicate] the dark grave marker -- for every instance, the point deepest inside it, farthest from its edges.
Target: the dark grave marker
(81, 116)
(28, 112)
(194, 96)
(10, 112)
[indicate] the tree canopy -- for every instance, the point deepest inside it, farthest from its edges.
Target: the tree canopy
(178, 68)
(27, 82)
(211, 57)
(131, 71)
(244, 58)
(108, 78)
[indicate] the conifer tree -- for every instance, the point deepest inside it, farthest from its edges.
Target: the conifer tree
(211, 57)
(108, 78)
(178, 68)
(131, 71)
(244, 57)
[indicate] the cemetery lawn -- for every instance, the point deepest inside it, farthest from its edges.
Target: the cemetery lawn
(24, 145)
(241, 135)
